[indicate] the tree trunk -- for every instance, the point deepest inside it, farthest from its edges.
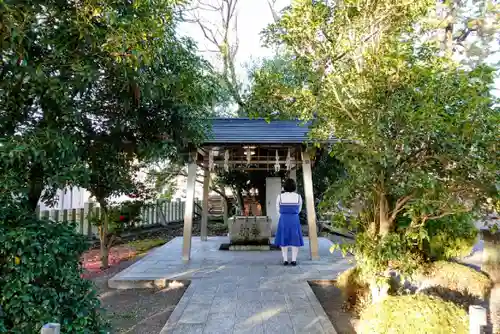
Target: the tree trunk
(104, 253)
(447, 44)
(34, 196)
(491, 255)
(35, 187)
(239, 199)
(224, 210)
(384, 220)
(491, 266)
(103, 236)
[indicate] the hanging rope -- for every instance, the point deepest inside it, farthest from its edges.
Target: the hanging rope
(249, 154)
(277, 164)
(288, 162)
(211, 166)
(226, 161)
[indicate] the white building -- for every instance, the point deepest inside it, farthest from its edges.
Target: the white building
(76, 197)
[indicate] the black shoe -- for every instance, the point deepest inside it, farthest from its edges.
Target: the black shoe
(285, 263)
(294, 263)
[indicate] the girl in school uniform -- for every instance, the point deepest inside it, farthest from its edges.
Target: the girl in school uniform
(289, 232)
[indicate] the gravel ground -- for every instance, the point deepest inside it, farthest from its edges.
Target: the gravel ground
(330, 298)
(143, 311)
(137, 311)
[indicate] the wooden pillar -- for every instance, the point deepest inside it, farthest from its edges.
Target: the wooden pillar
(311, 212)
(189, 208)
(204, 214)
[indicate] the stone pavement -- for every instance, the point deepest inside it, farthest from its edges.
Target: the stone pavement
(238, 291)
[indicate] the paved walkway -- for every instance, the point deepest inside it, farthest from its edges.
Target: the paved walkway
(238, 291)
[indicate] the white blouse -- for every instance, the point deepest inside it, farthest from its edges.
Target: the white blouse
(288, 198)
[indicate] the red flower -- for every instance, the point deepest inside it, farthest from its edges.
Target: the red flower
(122, 218)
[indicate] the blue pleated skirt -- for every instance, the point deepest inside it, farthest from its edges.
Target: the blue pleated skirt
(289, 232)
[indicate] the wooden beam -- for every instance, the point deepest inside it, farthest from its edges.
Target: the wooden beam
(243, 168)
(252, 162)
(202, 151)
(204, 214)
(189, 208)
(222, 147)
(311, 212)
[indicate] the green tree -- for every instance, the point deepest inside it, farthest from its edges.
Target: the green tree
(160, 111)
(54, 55)
(91, 89)
(468, 29)
(417, 133)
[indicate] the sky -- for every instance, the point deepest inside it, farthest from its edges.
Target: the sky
(253, 17)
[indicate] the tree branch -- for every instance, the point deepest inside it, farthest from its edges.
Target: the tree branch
(214, 188)
(271, 4)
(222, 42)
(444, 214)
(463, 35)
(400, 205)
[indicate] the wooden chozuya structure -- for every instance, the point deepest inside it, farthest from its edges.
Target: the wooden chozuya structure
(252, 144)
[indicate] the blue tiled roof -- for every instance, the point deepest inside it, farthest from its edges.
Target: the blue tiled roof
(257, 131)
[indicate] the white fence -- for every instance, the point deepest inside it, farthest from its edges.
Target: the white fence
(161, 212)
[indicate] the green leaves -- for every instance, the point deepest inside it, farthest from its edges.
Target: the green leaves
(40, 279)
(418, 133)
(89, 91)
(107, 78)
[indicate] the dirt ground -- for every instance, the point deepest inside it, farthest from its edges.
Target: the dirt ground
(136, 311)
(329, 296)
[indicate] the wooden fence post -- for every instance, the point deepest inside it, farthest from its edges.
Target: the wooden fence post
(154, 221)
(196, 204)
(477, 319)
(178, 211)
(51, 328)
(170, 210)
(159, 220)
(56, 215)
(65, 216)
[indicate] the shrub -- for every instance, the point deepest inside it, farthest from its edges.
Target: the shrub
(40, 279)
(121, 217)
(451, 237)
(129, 212)
(455, 277)
(355, 291)
(461, 299)
(376, 256)
(413, 314)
